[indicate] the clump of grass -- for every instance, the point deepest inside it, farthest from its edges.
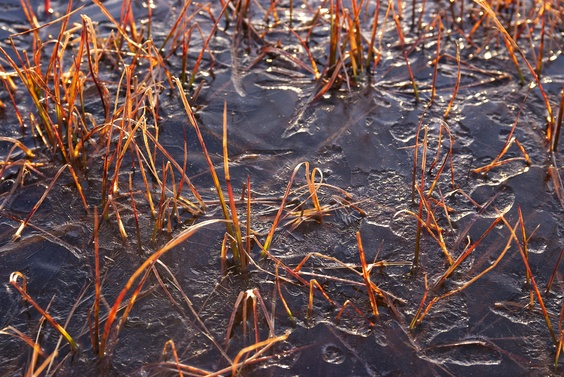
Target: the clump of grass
(127, 136)
(129, 130)
(253, 297)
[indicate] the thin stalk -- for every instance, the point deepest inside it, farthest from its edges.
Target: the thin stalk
(22, 290)
(366, 277)
(23, 224)
(402, 41)
(533, 282)
(559, 122)
(550, 281)
(193, 121)
(97, 284)
(237, 246)
(180, 238)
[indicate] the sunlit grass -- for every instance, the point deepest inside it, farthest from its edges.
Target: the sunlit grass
(130, 69)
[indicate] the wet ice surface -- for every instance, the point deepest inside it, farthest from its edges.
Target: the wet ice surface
(363, 142)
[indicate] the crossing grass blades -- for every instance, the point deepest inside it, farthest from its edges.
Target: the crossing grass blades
(144, 184)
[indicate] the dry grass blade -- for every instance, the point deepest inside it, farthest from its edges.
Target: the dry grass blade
(265, 345)
(237, 246)
(313, 283)
(242, 301)
(508, 143)
(402, 41)
(179, 20)
(203, 328)
(278, 216)
(112, 339)
(370, 59)
(23, 292)
(334, 9)
(533, 282)
(117, 25)
(205, 46)
(95, 335)
(19, 144)
(366, 277)
(22, 226)
(559, 122)
(12, 331)
(415, 319)
(430, 224)
(512, 47)
(180, 238)
(560, 345)
(415, 187)
(349, 303)
(278, 287)
(313, 68)
(150, 161)
(525, 250)
(170, 343)
(544, 8)
(219, 191)
(456, 85)
(46, 363)
(418, 318)
(466, 253)
(551, 280)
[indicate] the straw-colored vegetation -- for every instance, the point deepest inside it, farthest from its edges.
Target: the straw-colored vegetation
(128, 67)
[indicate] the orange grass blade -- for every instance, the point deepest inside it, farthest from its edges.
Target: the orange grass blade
(276, 221)
(402, 41)
(265, 343)
(512, 46)
(439, 236)
(12, 331)
(535, 286)
(117, 25)
(205, 46)
(238, 249)
(419, 318)
(550, 281)
(248, 238)
(560, 345)
(559, 122)
(290, 315)
(312, 284)
(97, 284)
(468, 251)
(170, 343)
(525, 243)
(211, 167)
(19, 144)
(180, 238)
(128, 308)
(415, 319)
(22, 290)
(366, 276)
(18, 233)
